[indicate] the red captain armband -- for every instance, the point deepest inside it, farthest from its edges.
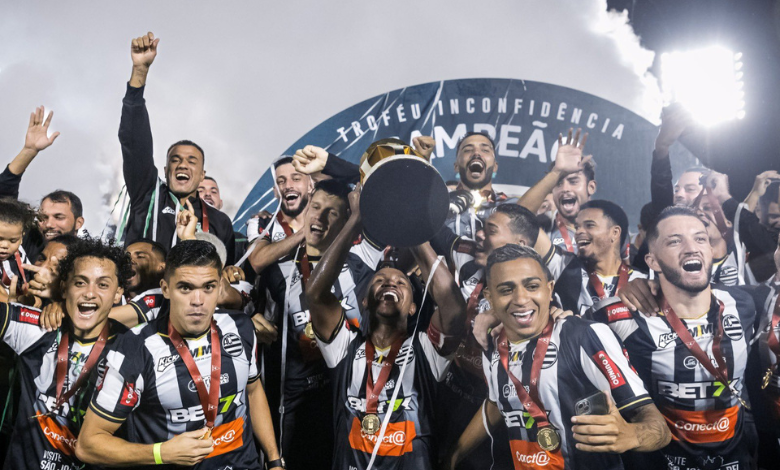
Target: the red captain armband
(444, 344)
(616, 312)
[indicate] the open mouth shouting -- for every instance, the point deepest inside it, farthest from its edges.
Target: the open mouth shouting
(317, 231)
(87, 310)
(182, 177)
(291, 198)
(567, 203)
(523, 316)
(693, 265)
(476, 168)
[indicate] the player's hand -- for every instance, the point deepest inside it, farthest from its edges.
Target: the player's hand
(640, 294)
(354, 200)
(558, 313)
(310, 159)
(484, 323)
(37, 137)
(186, 222)
(569, 158)
(424, 145)
(187, 449)
(40, 284)
(143, 50)
(763, 181)
(266, 331)
(719, 186)
(604, 433)
(233, 274)
(674, 121)
(52, 315)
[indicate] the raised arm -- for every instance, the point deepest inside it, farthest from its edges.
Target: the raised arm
(568, 160)
(36, 140)
(674, 121)
(312, 160)
(267, 253)
(135, 132)
(324, 307)
(450, 315)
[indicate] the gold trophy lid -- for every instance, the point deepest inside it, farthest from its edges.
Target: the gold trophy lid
(381, 150)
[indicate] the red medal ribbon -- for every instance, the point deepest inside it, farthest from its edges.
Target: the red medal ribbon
(7, 279)
(471, 306)
(597, 286)
(61, 370)
(303, 257)
(373, 389)
(204, 224)
(208, 399)
(530, 399)
(285, 226)
(721, 372)
(564, 232)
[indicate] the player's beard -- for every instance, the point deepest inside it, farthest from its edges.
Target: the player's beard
(463, 172)
(675, 277)
(301, 207)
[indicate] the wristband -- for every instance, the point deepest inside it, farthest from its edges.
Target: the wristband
(157, 457)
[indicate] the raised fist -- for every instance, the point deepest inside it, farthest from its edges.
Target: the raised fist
(310, 159)
(424, 145)
(143, 50)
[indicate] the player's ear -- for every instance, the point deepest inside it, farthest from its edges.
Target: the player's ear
(652, 263)
(412, 309)
(165, 289)
(591, 187)
(118, 295)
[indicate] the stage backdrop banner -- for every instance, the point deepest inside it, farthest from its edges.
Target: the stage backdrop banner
(523, 117)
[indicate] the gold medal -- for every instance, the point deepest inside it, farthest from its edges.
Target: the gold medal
(308, 330)
(767, 378)
(371, 424)
(548, 438)
(207, 434)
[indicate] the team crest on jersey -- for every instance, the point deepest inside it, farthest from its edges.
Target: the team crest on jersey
(484, 305)
(551, 356)
(732, 327)
(472, 281)
(390, 384)
(278, 236)
(223, 379)
(691, 362)
(232, 344)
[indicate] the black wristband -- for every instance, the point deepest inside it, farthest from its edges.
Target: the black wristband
(278, 463)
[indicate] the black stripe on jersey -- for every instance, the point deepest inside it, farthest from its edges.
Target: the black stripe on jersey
(6, 316)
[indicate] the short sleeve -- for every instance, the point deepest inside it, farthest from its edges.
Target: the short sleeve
(20, 326)
(436, 361)
(118, 391)
(335, 350)
(487, 369)
(606, 366)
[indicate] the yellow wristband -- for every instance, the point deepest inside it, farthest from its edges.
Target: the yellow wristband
(157, 456)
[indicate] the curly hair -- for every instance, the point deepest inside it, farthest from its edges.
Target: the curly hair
(15, 212)
(93, 247)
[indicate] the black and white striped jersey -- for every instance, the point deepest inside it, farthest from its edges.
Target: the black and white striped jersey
(147, 304)
(589, 298)
(47, 442)
(408, 439)
(305, 369)
(148, 387)
(557, 237)
(726, 270)
(706, 421)
(582, 358)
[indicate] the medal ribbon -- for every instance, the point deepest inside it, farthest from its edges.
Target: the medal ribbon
(204, 224)
(373, 389)
(564, 232)
(471, 306)
(61, 370)
(721, 372)
(208, 399)
(771, 340)
(597, 286)
(303, 258)
(530, 399)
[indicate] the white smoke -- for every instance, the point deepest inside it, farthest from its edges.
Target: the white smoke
(246, 79)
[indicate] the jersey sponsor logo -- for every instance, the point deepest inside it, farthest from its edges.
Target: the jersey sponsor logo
(696, 390)
(617, 312)
(699, 427)
(227, 437)
(278, 236)
(223, 379)
(49, 403)
(166, 361)
(58, 436)
(732, 327)
(195, 413)
(529, 455)
(29, 316)
(198, 354)
(232, 344)
(169, 210)
(300, 318)
(609, 369)
(359, 404)
(396, 441)
(150, 301)
(520, 418)
(129, 395)
(698, 331)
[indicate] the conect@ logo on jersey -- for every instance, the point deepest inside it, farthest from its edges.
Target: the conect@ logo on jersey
(722, 425)
(540, 458)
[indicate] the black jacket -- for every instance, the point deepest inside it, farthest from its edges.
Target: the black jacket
(135, 135)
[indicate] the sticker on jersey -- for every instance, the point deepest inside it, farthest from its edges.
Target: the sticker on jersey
(551, 356)
(732, 327)
(396, 441)
(29, 316)
(232, 344)
(690, 362)
(609, 369)
(129, 395)
(403, 353)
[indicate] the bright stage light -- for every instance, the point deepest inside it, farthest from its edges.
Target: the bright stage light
(707, 82)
